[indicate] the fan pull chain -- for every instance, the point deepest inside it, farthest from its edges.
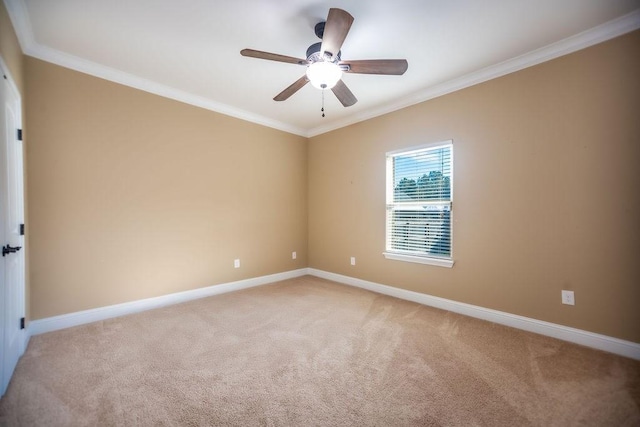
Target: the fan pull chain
(322, 109)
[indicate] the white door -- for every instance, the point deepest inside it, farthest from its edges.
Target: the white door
(12, 273)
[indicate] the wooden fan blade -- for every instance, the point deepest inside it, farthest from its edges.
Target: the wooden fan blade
(335, 31)
(272, 56)
(343, 94)
(296, 86)
(395, 67)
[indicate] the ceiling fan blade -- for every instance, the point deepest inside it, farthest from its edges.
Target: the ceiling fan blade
(343, 94)
(296, 86)
(272, 56)
(335, 31)
(395, 67)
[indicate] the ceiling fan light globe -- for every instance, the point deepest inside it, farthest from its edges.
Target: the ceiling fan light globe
(324, 75)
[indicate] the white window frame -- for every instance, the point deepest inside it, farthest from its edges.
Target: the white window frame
(399, 255)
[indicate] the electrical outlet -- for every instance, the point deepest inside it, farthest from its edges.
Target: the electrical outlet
(293, 255)
(236, 263)
(568, 298)
(353, 260)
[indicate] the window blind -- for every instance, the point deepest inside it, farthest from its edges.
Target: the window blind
(419, 190)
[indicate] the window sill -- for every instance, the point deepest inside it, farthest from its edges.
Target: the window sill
(440, 262)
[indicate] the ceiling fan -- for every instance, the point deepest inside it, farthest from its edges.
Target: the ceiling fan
(324, 63)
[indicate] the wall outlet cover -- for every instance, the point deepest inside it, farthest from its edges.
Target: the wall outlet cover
(568, 298)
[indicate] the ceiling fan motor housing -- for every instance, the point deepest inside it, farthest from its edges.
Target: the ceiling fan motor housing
(313, 54)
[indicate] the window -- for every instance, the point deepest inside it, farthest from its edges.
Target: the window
(419, 190)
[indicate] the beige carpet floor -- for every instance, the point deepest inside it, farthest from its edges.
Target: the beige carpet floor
(309, 352)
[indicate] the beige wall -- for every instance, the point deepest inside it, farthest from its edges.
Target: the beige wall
(135, 196)
(546, 192)
(10, 48)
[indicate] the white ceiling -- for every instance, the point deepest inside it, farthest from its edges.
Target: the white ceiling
(189, 50)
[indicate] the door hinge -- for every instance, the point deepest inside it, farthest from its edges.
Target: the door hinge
(22, 229)
(22, 323)
(19, 134)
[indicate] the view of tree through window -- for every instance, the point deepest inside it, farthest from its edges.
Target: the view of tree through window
(433, 186)
(419, 212)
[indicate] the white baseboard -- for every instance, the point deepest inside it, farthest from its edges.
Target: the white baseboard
(565, 333)
(55, 323)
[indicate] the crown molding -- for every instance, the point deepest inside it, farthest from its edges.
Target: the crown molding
(609, 30)
(601, 33)
(78, 64)
(20, 19)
